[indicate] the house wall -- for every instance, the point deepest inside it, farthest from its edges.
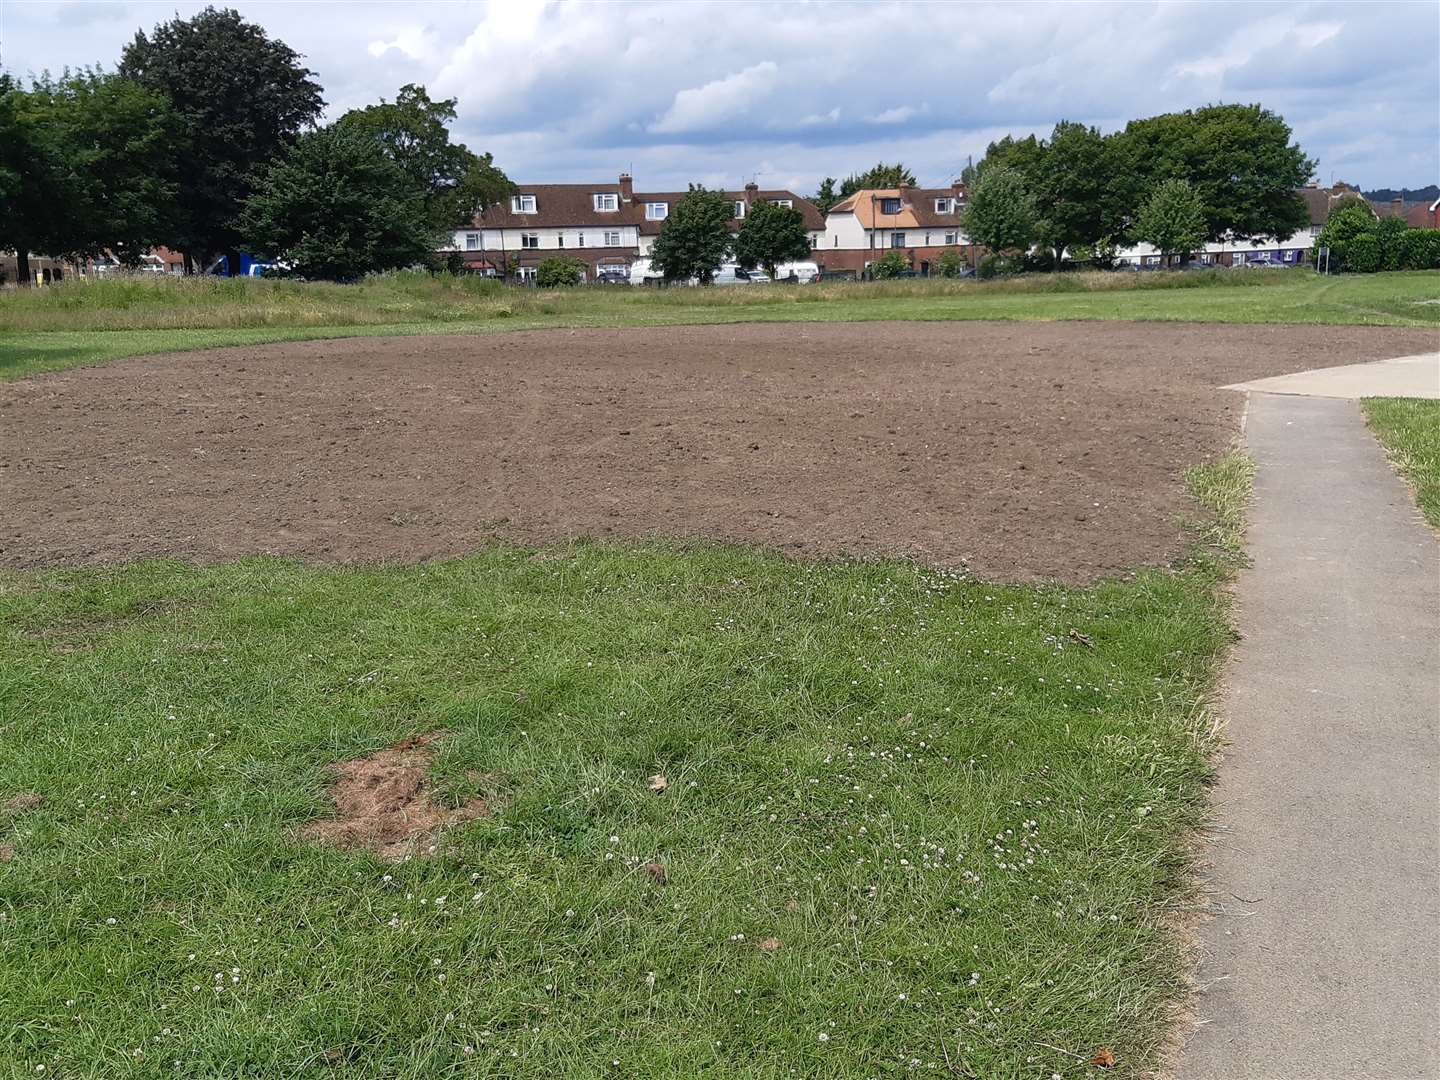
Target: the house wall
(508, 239)
(856, 259)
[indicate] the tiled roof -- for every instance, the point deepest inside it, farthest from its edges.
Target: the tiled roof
(917, 208)
(572, 205)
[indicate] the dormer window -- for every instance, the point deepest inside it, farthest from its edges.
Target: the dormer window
(657, 211)
(944, 206)
(522, 204)
(606, 201)
(889, 206)
(789, 204)
(739, 208)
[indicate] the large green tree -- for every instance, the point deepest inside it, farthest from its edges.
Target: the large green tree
(1000, 214)
(240, 98)
(879, 175)
(770, 235)
(1239, 159)
(336, 207)
(414, 132)
(1172, 220)
(695, 238)
(87, 167)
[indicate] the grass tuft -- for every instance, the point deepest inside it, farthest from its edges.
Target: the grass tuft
(1409, 429)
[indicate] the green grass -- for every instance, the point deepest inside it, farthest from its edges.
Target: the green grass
(1409, 428)
(962, 808)
(79, 322)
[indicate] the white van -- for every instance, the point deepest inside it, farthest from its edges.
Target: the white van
(731, 274)
(642, 273)
(802, 272)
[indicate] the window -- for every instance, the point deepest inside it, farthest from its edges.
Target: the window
(612, 239)
(560, 239)
(472, 241)
(739, 208)
(837, 241)
(529, 240)
(897, 239)
(944, 206)
(889, 206)
(789, 204)
(606, 201)
(927, 239)
(522, 204)
(656, 211)
(527, 273)
(580, 239)
(1314, 230)
(952, 238)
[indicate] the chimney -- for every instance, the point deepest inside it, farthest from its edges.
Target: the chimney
(957, 189)
(904, 192)
(627, 187)
(1397, 204)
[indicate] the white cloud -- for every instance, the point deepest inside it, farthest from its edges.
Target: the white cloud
(897, 115)
(818, 119)
(704, 107)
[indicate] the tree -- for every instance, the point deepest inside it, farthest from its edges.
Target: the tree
(1172, 220)
(826, 196)
(770, 235)
(86, 164)
(336, 207)
(949, 264)
(559, 270)
(892, 264)
(1390, 232)
(695, 238)
(240, 99)
(879, 175)
(1363, 254)
(1238, 158)
(1349, 217)
(414, 132)
(1001, 214)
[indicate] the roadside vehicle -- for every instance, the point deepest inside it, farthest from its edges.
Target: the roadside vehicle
(802, 273)
(730, 274)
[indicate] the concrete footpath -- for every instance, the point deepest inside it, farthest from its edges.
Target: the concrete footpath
(1324, 959)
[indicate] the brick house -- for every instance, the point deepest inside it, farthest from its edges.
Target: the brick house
(922, 223)
(606, 226)
(1424, 215)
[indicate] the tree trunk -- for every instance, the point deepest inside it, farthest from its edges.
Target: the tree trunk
(22, 267)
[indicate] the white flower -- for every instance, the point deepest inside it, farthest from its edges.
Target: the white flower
(824, 1037)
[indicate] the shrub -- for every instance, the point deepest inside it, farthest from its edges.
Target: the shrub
(890, 265)
(1363, 254)
(559, 270)
(1390, 232)
(993, 265)
(1420, 249)
(949, 264)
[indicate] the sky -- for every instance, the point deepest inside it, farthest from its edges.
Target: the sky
(721, 93)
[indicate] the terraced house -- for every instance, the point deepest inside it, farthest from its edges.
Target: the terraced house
(606, 226)
(922, 223)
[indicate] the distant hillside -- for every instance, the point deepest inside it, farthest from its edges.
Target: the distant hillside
(1424, 194)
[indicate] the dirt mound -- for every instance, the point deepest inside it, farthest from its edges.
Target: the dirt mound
(26, 800)
(383, 804)
(1020, 450)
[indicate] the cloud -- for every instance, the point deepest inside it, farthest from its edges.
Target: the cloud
(727, 99)
(895, 116)
(581, 89)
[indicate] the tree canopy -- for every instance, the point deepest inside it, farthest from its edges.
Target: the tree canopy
(414, 132)
(1172, 220)
(1000, 215)
(695, 238)
(826, 196)
(336, 207)
(239, 98)
(879, 175)
(86, 167)
(770, 235)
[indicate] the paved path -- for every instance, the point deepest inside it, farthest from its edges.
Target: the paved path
(1324, 960)
(1404, 376)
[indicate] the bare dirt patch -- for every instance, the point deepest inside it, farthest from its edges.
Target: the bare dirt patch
(1023, 450)
(24, 802)
(383, 803)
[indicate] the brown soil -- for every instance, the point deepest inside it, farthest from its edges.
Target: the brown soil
(382, 803)
(1023, 450)
(23, 802)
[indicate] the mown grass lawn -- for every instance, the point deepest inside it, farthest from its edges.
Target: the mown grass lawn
(1409, 429)
(960, 808)
(80, 323)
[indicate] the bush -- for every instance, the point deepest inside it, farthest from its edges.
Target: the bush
(949, 264)
(890, 265)
(1420, 249)
(993, 265)
(559, 270)
(1363, 254)
(1391, 233)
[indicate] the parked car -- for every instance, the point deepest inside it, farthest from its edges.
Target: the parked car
(612, 275)
(730, 274)
(803, 273)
